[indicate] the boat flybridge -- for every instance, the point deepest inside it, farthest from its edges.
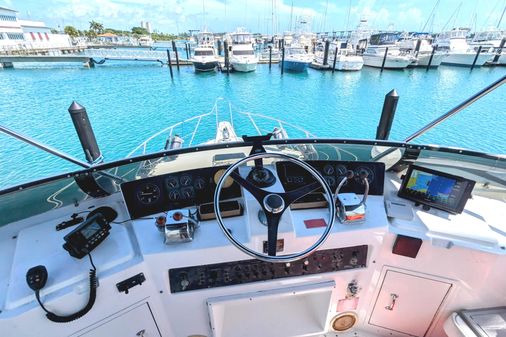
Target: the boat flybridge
(242, 56)
(264, 236)
(204, 56)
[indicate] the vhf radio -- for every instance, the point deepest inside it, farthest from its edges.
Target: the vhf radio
(87, 236)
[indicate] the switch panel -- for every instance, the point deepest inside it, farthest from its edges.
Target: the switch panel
(247, 271)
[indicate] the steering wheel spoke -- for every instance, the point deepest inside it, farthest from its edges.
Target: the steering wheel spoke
(257, 192)
(272, 233)
(298, 193)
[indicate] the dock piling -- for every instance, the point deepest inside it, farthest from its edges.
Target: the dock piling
(85, 132)
(326, 53)
(334, 63)
(476, 57)
(227, 63)
(175, 51)
(499, 50)
(384, 59)
(283, 57)
(219, 47)
(431, 57)
(169, 64)
(387, 115)
(270, 56)
(186, 49)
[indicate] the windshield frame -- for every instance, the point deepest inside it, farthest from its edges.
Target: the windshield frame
(154, 155)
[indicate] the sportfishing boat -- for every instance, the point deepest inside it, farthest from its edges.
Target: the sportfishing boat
(296, 58)
(383, 52)
(259, 236)
(420, 46)
(242, 56)
(204, 56)
(458, 51)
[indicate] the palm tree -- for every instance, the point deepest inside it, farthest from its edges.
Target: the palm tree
(96, 27)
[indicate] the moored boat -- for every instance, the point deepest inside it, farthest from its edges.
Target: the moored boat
(204, 56)
(374, 55)
(296, 58)
(458, 52)
(242, 53)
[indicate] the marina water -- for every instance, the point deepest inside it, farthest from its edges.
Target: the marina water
(127, 102)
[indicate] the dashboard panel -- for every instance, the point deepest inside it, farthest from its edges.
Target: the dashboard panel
(176, 190)
(293, 176)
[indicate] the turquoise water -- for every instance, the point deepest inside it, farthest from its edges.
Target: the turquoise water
(127, 102)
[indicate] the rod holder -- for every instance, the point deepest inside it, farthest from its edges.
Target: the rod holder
(387, 115)
(85, 133)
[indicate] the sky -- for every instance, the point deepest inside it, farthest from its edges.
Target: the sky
(177, 16)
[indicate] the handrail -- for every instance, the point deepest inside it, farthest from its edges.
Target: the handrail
(215, 111)
(44, 147)
(447, 115)
(458, 108)
(280, 121)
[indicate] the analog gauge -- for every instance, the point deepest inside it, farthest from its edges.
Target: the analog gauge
(148, 194)
(199, 183)
(187, 192)
(185, 180)
(328, 170)
(174, 195)
(331, 181)
(341, 170)
(217, 176)
(172, 182)
(344, 321)
(362, 171)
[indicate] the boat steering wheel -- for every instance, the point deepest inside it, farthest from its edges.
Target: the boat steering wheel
(274, 204)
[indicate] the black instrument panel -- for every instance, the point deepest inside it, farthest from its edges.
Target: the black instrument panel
(247, 271)
(293, 176)
(176, 190)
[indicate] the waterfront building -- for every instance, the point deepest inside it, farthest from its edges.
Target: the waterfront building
(19, 34)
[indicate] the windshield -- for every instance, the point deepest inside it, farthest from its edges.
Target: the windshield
(203, 53)
(489, 172)
(243, 52)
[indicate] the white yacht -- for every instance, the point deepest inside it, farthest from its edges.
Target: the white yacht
(242, 54)
(458, 51)
(374, 55)
(411, 41)
(204, 55)
(347, 59)
(491, 41)
(243, 238)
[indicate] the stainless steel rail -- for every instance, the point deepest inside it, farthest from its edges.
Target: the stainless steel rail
(44, 147)
(447, 115)
(458, 108)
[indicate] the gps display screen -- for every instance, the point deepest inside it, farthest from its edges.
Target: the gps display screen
(436, 189)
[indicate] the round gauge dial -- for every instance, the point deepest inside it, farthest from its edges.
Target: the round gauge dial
(187, 193)
(174, 195)
(199, 183)
(328, 170)
(185, 180)
(228, 182)
(330, 180)
(361, 172)
(344, 322)
(172, 182)
(341, 170)
(148, 194)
